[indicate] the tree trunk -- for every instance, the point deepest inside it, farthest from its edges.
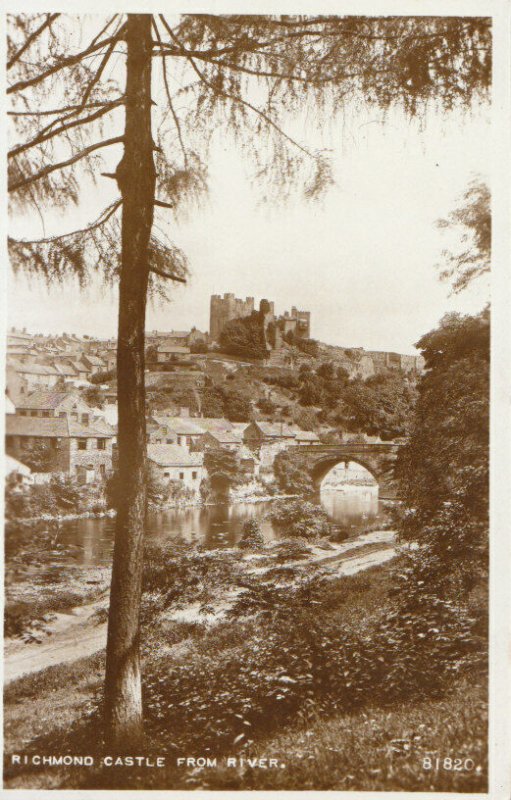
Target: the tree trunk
(136, 179)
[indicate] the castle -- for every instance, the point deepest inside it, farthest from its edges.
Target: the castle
(226, 308)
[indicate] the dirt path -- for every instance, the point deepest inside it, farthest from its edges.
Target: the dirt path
(79, 634)
(67, 638)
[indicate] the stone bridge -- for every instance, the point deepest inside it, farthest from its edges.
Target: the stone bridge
(378, 459)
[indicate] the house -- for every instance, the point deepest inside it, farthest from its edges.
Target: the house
(258, 432)
(174, 430)
(9, 406)
(16, 387)
(229, 440)
(60, 445)
(305, 437)
(65, 370)
(171, 352)
(47, 403)
(213, 424)
(36, 375)
(170, 462)
(19, 473)
(93, 364)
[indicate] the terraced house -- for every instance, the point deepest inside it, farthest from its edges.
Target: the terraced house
(60, 445)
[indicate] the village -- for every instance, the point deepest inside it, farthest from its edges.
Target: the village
(61, 401)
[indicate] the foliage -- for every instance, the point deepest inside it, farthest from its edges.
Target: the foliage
(103, 377)
(245, 337)
(199, 348)
(301, 519)
(219, 401)
(93, 397)
(223, 469)
(39, 457)
(266, 406)
(306, 659)
(474, 218)
(444, 469)
(252, 538)
(308, 346)
(58, 496)
(291, 477)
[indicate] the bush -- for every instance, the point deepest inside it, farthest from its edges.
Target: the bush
(291, 477)
(299, 519)
(252, 538)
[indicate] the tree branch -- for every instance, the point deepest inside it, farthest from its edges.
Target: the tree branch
(171, 105)
(161, 203)
(103, 217)
(33, 36)
(62, 164)
(65, 62)
(44, 137)
(236, 99)
(170, 275)
(55, 111)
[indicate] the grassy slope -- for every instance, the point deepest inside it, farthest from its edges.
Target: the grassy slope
(379, 749)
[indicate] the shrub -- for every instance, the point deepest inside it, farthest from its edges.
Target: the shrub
(252, 538)
(301, 519)
(291, 477)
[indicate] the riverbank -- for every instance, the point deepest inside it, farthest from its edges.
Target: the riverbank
(61, 621)
(247, 678)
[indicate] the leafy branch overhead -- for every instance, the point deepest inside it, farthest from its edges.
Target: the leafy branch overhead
(473, 217)
(253, 74)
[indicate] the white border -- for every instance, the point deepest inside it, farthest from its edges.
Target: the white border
(500, 555)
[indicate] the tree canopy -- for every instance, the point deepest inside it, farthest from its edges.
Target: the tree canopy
(473, 218)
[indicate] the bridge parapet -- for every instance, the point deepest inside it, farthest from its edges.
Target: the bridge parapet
(378, 458)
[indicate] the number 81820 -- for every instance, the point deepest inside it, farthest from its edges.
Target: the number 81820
(454, 764)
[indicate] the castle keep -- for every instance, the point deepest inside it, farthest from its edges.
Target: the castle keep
(226, 308)
(223, 309)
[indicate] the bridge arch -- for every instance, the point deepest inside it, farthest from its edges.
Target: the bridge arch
(321, 468)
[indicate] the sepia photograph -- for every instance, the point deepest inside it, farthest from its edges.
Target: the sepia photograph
(247, 399)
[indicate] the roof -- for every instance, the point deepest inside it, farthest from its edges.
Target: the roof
(65, 369)
(95, 361)
(307, 436)
(44, 398)
(177, 334)
(173, 348)
(61, 427)
(181, 425)
(13, 465)
(275, 429)
(226, 437)
(213, 423)
(34, 369)
(173, 455)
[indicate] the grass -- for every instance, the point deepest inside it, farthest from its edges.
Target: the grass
(375, 750)
(370, 749)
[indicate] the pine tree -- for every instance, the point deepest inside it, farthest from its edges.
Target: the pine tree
(221, 66)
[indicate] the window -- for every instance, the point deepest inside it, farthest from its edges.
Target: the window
(169, 441)
(188, 440)
(166, 474)
(102, 470)
(62, 413)
(33, 413)
(194, 476)
(101, 444)
(45, 414)
(181, 476)
(85, 419)
(82, 444)
(54, 443)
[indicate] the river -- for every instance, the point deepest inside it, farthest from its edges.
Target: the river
(218, 525)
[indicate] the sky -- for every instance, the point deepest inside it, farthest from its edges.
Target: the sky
(361, 260)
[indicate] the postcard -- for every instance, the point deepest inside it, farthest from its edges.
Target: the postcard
(256, 538)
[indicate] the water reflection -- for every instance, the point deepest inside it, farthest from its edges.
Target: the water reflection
(214, 526)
